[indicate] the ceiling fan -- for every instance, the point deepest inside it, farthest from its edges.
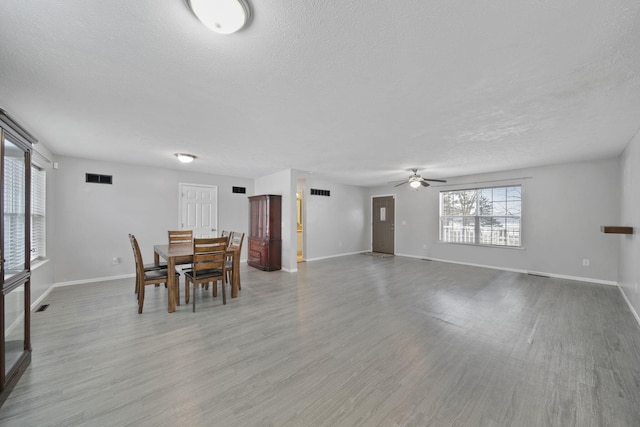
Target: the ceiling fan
(416, 180)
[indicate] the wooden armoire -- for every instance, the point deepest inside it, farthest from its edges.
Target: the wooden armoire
(265, 239)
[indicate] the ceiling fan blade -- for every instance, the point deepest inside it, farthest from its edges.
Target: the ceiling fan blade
(403, 182)
(434, 180)
(424, 183)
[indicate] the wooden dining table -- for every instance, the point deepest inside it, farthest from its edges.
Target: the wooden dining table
(182, 253)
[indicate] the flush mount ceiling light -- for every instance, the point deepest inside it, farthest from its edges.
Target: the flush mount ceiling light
(221, 16)
(185, 158)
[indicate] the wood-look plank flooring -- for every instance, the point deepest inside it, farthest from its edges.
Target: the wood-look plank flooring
(350, 341)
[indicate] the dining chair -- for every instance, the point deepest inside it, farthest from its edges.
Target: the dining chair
(235, 243)
(209, 258)
(146, 267)
(144, 278)
(180, 236)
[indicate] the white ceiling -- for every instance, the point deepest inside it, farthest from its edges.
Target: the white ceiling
(355, 91)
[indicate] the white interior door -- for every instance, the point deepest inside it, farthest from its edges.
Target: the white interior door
(199, 209)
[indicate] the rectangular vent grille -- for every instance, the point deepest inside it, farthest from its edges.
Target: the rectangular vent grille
(316, 192)
(239, 190)
(94, 178)
(43, 307)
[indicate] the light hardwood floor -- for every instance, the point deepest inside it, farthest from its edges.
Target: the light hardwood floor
(350, 341)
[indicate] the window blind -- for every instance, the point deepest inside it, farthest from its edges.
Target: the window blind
(14, 212)
(38, 212)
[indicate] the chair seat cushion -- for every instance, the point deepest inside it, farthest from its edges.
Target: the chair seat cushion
(204, 274)
(157, 274)
(151, 266)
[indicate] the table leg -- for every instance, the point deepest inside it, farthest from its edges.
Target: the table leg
(235, 279)
(171, 268)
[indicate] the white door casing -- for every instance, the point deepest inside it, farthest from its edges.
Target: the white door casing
(199, 209)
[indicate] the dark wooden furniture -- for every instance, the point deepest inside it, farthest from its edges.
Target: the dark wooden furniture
(15, 253)
(209, 265)
(235, 244)
(183, 253)
(265, 240)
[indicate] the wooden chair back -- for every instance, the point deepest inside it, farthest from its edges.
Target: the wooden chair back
(235, 240)
(146, 277)
(209, 254)
(137, 256)
(180, 236)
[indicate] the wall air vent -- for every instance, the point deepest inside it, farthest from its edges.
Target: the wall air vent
(239, 190)
(94, 178)
(316, 192)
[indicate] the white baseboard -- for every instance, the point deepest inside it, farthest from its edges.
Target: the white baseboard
(37, 302)
(94, 280)
(335, 256)
(633, 310)
(515, 270)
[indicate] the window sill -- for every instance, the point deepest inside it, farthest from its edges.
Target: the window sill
(38, 263)
(518, 248)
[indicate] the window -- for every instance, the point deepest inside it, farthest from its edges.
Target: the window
(38, 210)
(14, 208)
(481, 216)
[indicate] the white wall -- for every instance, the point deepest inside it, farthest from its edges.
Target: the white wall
(629, 279)
(42, 275)
(334, 225)
(92, 221)
(563, 209)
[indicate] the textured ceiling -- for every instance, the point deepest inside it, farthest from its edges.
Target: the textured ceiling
(355, 91)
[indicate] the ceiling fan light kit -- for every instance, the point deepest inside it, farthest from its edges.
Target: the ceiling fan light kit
(221, 16)
(185, 158)
(415, 180)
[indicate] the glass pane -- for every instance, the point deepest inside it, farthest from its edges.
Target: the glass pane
(499, 208)
(514, 199)
(14, 326)
(512, 225)
(383, 214)
(485, 202)
(447, 203)
(14, 209)
(451, 229)
(500, 194)
(514, 193)
(498, 232)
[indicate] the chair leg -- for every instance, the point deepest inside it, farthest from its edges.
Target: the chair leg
(186, 290)
(194, 296)
(224, 294)
(140, 298)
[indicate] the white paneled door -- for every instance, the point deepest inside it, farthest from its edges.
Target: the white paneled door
(199, 209)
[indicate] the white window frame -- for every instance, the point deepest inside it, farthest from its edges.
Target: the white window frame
(497, 223)
(38, 213)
